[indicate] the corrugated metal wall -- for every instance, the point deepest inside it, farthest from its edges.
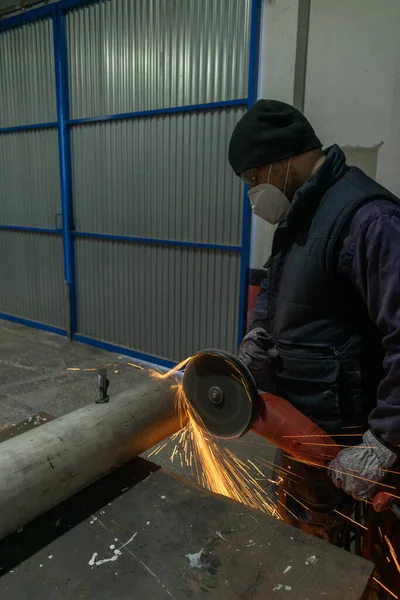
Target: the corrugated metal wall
(123, 117)
(165, 301)
(164, 177)
(29, 178)
(27, 87)
(158, 177)
(31, 265)
(31, 277)
(139, 55)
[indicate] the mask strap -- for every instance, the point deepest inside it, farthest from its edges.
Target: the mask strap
(286, 178)
(269, 174)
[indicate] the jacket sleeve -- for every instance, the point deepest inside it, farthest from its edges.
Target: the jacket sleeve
(260, 312)
(370, 260)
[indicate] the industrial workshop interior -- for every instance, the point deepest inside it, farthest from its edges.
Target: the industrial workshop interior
(199, 300)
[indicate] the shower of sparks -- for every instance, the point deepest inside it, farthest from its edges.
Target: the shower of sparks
(389, 471)
(385, 588)
(333, 445)
(256, 468)
(393, 553)
(351, 520)
(296, 499)
(322, 435)
(286, 508)
(328, 468)
(214, 467)
(157, 450)
(135, 366)
(73, 369)
(279, 470)
(220, 471)
(390, 494)
(159, 375)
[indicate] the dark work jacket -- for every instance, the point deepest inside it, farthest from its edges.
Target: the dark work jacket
(329, 359)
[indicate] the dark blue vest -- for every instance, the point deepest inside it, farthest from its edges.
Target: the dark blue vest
(329, 352)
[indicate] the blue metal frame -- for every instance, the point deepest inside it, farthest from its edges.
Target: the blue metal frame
(50, 11)
(34, 324)
(57, 12)
(246, 216)
(110, 347)
(16, 128)
(161, 111)
(25, 229)
(154, 241)
(64, 149)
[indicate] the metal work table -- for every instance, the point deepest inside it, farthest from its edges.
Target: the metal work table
(144, 534)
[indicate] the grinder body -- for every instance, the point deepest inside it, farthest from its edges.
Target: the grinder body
(279, 422)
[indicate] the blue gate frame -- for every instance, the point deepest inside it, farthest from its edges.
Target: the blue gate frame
(63, 124)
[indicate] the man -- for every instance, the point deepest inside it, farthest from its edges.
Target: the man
(325, 332)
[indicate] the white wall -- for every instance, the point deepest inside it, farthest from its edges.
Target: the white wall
(352, 93)
(352, 84)
(277, 79)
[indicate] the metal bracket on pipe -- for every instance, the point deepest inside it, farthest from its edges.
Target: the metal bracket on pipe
(102, 387)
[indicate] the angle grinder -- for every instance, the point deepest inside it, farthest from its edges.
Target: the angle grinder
(223, 395)
(226, 402)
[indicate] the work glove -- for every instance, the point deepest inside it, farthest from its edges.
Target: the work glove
(359, 470)
(255, 352)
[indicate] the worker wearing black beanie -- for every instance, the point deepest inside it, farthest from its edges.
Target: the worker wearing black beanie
(269, 132)
(262, 150)
(327, 305)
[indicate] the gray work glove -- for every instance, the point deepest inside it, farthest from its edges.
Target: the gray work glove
(359, 470)
(254, 352)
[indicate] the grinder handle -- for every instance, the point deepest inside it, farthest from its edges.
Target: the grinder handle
(279, 422)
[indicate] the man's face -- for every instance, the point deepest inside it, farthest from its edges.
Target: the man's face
(276, 174)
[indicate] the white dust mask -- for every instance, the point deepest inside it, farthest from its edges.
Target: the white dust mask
(268, 202)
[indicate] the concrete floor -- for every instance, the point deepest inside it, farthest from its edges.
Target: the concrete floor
(34, 377)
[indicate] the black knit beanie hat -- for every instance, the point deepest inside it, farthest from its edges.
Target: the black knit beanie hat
(270, 131)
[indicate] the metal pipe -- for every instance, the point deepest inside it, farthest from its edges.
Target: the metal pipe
(45, 466)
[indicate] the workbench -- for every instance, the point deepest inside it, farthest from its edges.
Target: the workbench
(143, 533)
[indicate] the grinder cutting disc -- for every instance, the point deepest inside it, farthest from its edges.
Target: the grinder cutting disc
(221, 391)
